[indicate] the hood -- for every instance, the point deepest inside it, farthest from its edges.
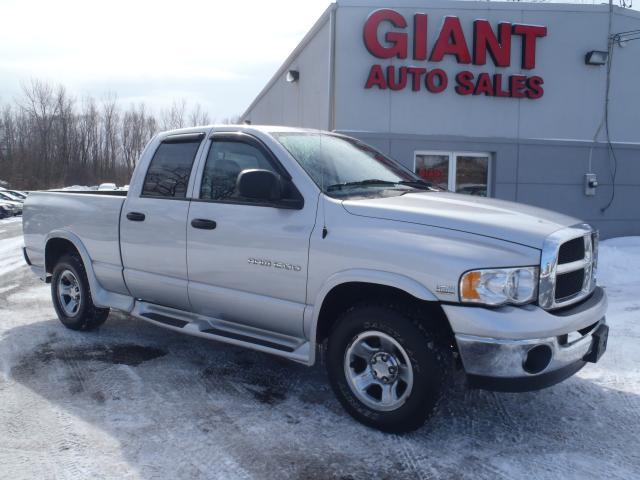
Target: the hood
(510, 221)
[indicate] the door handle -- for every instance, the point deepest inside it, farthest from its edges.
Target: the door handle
(136, 216)
(203, 224)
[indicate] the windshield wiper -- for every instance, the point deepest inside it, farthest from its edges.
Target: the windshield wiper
(361, 183)
(419, 184)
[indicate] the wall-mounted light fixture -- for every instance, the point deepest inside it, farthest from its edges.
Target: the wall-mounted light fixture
(293, 76)
(596, 57)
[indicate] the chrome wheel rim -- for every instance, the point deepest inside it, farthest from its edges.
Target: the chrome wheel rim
(378, 371)
(69, 293)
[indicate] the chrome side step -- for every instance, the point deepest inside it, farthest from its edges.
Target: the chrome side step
(156, 317)
(245, 338)
(293, 348)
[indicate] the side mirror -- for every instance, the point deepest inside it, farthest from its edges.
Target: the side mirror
(259, 184)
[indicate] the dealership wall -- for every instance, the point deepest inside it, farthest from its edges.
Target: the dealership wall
(540, 148)
(304, 103)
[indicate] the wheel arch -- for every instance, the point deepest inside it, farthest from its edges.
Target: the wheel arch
(61, 242)
(349, 288)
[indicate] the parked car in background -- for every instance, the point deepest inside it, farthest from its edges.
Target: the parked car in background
(107, 186)
(14, 202)
(9, 209)
(6, 210)
(6, 196)
(18, 194)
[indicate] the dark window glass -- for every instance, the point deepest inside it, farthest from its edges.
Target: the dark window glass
(472, 175)
(169, 171)
(225, 161)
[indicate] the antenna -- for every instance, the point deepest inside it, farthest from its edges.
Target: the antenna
(324, 213)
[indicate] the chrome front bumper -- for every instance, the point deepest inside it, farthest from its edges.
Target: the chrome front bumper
(512, 364)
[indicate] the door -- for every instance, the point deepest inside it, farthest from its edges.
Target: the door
(153, 225)
(247, 261)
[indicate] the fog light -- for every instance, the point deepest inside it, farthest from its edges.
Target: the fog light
(537, 359)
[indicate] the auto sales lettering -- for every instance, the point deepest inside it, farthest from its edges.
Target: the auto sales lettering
(489, 43)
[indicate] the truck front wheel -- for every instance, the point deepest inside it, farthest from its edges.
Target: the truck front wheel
(386, 369)
(71, 296)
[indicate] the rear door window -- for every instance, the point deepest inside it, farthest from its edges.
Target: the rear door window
(170, 169)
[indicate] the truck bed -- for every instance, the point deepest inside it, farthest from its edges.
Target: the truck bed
(92, 216)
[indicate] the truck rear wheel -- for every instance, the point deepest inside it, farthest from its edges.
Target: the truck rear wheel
(386, 369)
(71, 296)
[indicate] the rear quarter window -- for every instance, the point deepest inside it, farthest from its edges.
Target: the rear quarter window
(170, 169)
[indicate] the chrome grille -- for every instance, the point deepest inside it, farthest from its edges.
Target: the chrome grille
(568, 266)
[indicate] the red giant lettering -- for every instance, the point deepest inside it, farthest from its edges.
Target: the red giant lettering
(416, 74)
(484, 40)
(451, 41)
(376, 78)
(529, 34)
(397, 40)
(464, 80)
(391, 78)
(419, 36)
(386, 36)
(535, 87)
(436, 81)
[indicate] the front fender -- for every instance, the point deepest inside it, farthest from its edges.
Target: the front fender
(101, 297)
(378, 277)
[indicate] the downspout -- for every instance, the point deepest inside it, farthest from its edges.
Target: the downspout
(332, 69)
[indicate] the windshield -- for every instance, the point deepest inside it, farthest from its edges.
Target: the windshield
(343, 166)
(8, 196)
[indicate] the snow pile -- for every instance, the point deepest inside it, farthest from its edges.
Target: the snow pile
(619, 263)
(10, 255)
(76, 188)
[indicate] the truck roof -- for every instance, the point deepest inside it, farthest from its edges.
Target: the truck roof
(243, 127)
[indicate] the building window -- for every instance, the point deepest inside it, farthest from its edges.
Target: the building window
(460, 172)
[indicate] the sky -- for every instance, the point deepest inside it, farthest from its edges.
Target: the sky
(218, 54)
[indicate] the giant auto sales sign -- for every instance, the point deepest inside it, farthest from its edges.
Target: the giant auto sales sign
(489, 43)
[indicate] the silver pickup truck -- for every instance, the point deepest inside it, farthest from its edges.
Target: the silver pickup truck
(294, 241)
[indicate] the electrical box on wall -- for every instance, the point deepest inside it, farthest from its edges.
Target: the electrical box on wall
(590, 184)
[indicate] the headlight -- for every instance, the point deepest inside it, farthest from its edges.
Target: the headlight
(498, 286)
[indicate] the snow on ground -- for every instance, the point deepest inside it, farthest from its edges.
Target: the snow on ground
(8, 259)
(136, 401)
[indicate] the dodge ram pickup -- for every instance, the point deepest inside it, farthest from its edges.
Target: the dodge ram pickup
(295, 242)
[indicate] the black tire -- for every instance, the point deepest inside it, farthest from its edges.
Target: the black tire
(430, 361)
(87, 316)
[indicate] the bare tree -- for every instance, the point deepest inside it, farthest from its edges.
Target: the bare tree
(198, 116)
(39, 106)
(175, 116)
(49, 139)
(232, 120)
(135, 134)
